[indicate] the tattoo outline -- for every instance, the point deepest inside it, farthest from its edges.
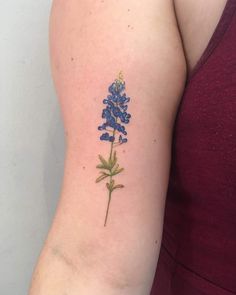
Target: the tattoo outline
(115, 116)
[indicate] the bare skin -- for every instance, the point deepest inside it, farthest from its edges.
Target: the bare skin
(90, 42)
(197, 22)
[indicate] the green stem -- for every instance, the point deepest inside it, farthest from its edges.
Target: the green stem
(109, 200)
(108, 205)
(110, 191)
(111, 147)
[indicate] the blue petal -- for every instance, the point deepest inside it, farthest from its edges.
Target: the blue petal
(124, 107)
(104, 136)
(122, 140)
(116, 112)
(111, 138)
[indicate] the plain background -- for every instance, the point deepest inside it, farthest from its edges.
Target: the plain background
(31, 141)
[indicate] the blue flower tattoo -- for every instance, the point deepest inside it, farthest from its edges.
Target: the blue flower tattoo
(115, 117)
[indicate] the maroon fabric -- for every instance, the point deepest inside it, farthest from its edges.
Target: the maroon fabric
(198, 252)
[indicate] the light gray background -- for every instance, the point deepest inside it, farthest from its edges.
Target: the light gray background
(31, 141)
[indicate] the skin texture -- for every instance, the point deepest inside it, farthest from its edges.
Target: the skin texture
(197, 21)
(90, 43)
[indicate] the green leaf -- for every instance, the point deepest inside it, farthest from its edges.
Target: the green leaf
(112, 160)
(103, 172)
(101, 177)
(103, 161)
(117, 171)
(104, 164)
(100, 166)
(115, 168)
(112, 182)
(110, 185)
(118, 186)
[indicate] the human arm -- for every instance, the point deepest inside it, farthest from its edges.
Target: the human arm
(91, 42)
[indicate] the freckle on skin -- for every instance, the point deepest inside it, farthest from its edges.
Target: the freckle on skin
(123, 151)
(72, 58)
(83, 167)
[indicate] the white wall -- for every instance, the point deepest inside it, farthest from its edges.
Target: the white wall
(31, 141)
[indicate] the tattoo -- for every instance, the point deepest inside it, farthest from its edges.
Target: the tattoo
(115, 116)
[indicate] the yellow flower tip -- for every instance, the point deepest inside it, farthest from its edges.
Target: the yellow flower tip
(120, 79)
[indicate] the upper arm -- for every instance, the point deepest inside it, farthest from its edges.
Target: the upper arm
(91, 42)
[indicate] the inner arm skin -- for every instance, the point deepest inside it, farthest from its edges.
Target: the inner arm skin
(90, 43)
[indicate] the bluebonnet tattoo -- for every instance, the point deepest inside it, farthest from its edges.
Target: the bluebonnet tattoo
(116, 117)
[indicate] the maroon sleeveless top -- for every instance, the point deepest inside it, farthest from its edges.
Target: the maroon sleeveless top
(198, 252)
